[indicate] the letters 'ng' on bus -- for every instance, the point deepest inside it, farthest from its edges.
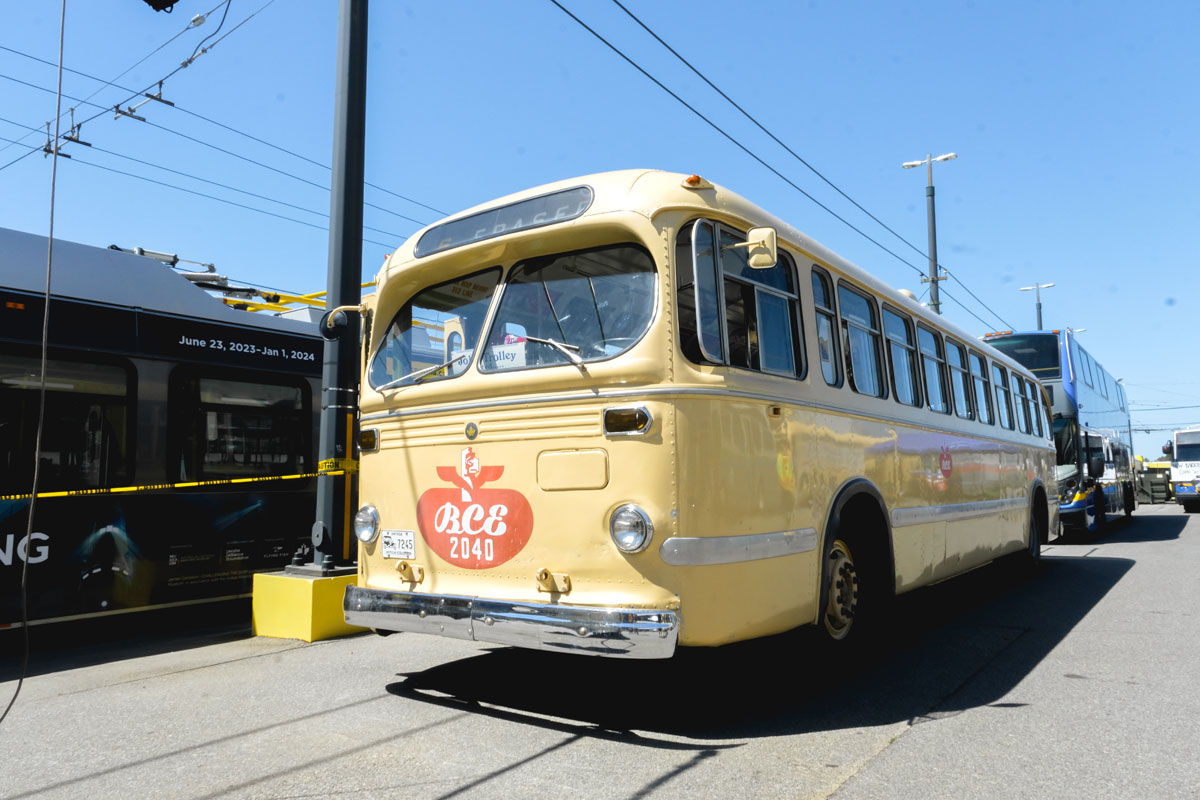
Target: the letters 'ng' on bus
(599, 418)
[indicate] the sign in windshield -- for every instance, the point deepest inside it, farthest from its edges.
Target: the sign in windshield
(531, 213)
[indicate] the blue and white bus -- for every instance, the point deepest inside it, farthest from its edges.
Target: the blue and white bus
(1093, 438)
(1185, 468)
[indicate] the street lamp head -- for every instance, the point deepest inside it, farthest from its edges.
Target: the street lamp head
(911, 164)
(947, 157)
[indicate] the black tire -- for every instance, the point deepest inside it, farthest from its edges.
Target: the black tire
(839, 592)
(1191, 507)
(1130, 500)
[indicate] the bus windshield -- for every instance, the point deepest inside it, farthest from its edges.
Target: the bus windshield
(1066, 433)
(1037, 351)
(1187, 446)
(571, 308)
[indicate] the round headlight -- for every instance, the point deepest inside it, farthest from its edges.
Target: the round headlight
(366, 524)
(631, 529)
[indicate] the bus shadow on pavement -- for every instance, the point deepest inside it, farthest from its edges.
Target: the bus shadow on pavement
(1138, 528)
(961, 644)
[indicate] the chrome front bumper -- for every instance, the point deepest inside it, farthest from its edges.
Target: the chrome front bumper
(586, 630)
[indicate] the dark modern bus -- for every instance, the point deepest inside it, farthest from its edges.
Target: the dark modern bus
(149, 380)
(1093, 438)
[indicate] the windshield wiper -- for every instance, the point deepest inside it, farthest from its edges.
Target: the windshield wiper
(571, 351)
(419, 374)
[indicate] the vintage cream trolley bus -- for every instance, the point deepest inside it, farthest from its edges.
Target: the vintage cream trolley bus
(630, 412)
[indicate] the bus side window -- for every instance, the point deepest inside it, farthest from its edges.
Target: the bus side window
(87, 441)
(933, 364)
(1003, 396)
(901, 351)
(223, 427)
(863, 340)
(1035, 408)
(1020, 404)
(960, 381)
(983, 390)
(826, 315)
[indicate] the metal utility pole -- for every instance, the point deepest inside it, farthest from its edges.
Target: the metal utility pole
(934, 301)
(1037, 288)
(339, 377)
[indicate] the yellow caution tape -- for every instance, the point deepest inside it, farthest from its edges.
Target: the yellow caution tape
(342, 464)
(151, 487)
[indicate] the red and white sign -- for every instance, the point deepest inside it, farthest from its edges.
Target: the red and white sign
(947, 463)
(470, 526)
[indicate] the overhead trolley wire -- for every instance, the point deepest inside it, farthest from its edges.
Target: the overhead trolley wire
(797, 156)
(232, 129)
(204, 143)
(756, 157)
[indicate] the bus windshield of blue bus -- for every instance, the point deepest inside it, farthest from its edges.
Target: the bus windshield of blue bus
(1187, 446)
(1036, 351)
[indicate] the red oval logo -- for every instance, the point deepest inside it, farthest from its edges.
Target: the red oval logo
(470, 526)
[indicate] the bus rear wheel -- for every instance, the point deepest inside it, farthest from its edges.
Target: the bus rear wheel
(841, 588)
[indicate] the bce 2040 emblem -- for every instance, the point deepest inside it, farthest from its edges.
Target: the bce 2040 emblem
(470, 526)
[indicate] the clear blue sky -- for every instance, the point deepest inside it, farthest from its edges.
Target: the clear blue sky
(1076, 126)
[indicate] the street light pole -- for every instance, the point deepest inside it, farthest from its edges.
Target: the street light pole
(934, 299)
(1037, 289)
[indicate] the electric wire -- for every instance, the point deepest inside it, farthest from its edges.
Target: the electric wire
(798, 157)
(234, 130)
(37, 442)
(760, 160)
(212, 146)
(397, 236)
(78, 160)
(224, 14)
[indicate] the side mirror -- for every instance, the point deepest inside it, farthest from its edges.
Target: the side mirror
(1096, 467)
(762, 244)
(764, 250)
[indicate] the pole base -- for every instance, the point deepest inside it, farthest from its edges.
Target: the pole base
(308, 608)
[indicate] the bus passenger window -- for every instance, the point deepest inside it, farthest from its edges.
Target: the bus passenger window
(226, 428)
(933, 364)
(827, 343)
(860, 327)
(960, 382)
(902, 356)
(87, 432)
(1035, 408)
(983, 390)
(1020, 404)
(1003, 396)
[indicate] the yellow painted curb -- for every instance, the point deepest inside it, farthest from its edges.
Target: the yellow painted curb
(298, 607)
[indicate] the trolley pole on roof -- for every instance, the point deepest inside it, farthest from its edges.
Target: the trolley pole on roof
(336, 497)
(934, 300)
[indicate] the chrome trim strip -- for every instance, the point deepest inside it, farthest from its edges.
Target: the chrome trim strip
(585, 630)
(903, 517)
(659, 391)
(683, 551)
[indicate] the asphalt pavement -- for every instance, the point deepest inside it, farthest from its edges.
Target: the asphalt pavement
(1078, 681)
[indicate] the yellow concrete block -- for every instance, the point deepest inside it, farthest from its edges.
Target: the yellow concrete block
(298, 607)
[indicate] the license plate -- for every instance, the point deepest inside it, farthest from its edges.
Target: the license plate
(399, 544)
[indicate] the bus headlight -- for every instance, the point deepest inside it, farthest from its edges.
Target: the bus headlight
(366, 524)
(631, 529)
